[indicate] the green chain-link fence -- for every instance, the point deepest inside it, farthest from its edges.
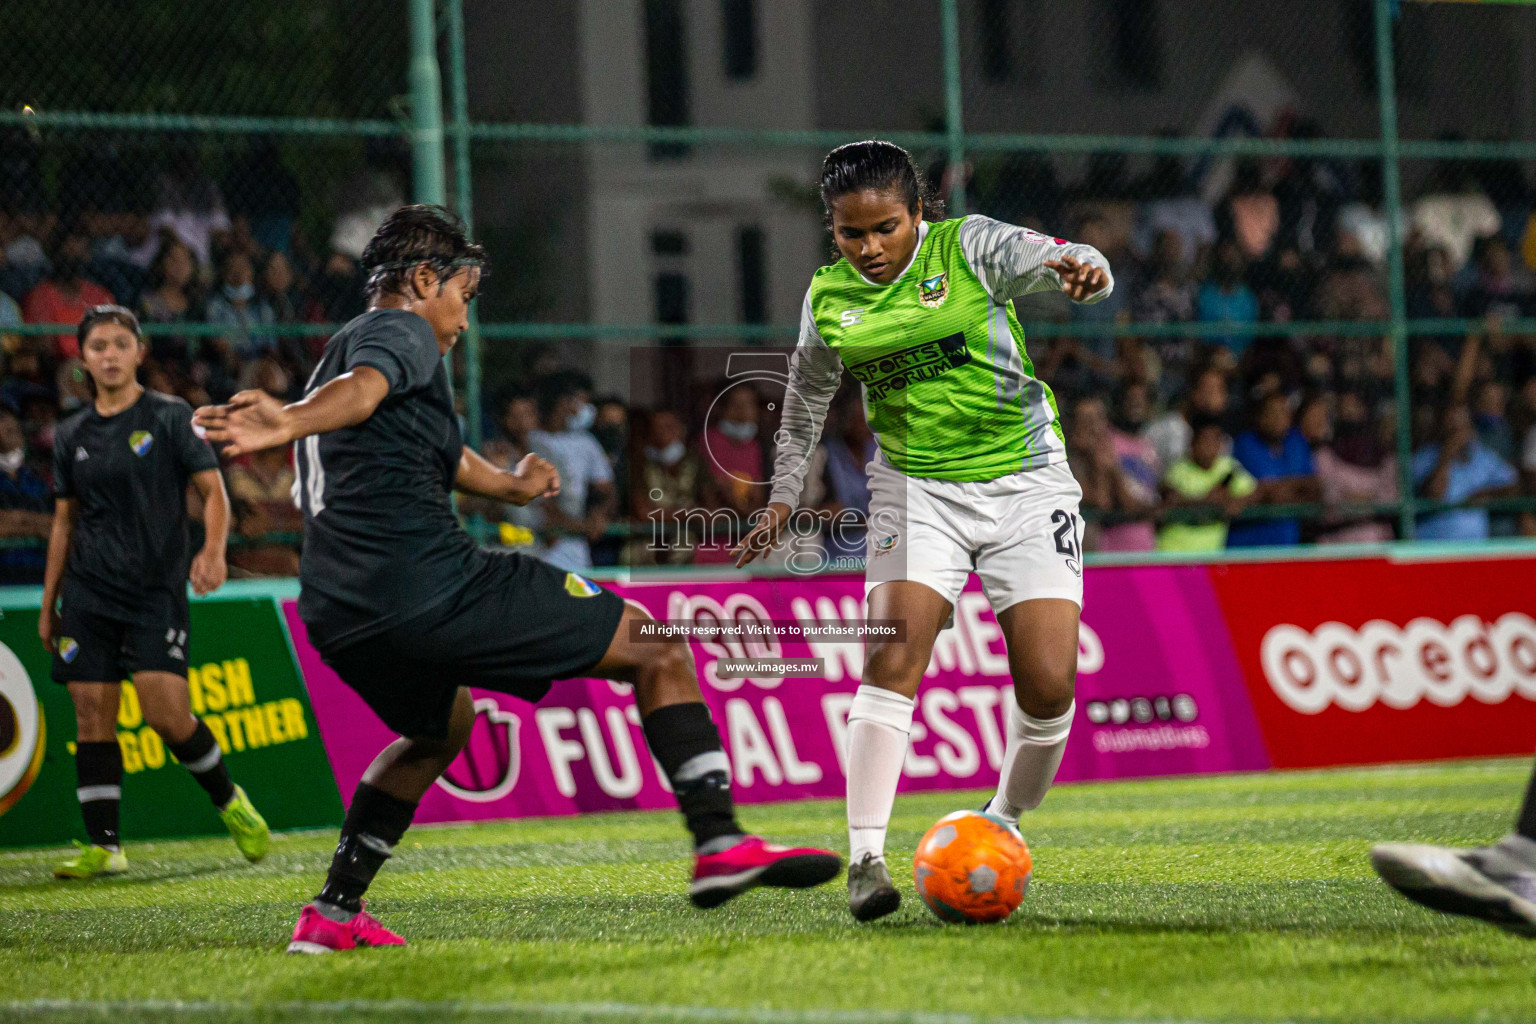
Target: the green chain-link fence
(643, 170)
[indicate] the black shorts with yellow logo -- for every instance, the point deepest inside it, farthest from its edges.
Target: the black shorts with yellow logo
(516, 627)
(98, 647)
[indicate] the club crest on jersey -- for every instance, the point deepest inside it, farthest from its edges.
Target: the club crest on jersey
(933, 291)
(68, 649)
(141, 441)
(580, 586)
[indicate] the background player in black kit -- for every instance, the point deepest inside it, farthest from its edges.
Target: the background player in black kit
(410, 612)
(120, 550)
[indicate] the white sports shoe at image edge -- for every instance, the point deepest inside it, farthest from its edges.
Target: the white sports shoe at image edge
(1495, 883)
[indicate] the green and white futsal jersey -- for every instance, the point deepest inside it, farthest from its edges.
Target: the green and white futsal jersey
(948, 388)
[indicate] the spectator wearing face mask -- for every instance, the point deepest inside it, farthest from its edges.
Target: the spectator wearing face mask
(65, 294)
(235, 306)
(584, 508)
(737, 467)
(664, 489)
(25, 500)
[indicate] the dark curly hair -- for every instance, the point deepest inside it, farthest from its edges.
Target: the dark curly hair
(414, 235)
(880, 166)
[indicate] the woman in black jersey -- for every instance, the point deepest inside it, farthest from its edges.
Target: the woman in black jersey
(411, 613)
(119, 559)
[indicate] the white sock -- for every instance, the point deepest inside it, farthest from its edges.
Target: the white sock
(1035, 747)
(878, 723)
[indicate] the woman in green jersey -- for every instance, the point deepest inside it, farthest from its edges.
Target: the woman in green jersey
(971, 472)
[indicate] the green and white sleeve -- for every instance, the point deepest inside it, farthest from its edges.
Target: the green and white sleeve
(814, 374)
(1010, 260)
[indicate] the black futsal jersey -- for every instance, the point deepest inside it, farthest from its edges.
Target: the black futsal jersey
(128, 474)
(397, 597)
(381, 541)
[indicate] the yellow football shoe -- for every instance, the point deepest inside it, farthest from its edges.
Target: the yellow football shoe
(246, 826)
(90, 861)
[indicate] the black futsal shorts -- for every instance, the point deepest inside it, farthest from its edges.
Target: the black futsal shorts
(519, 625)
(95, 646)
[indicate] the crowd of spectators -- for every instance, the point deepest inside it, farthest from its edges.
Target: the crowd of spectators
(214, 266)
(1175, 434)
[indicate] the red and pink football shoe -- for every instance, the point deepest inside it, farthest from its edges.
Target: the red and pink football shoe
(316, 933)
(753, 862)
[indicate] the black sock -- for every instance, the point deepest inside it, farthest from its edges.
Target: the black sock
(374, 824)
(687, 744)
(1526, 825)
(199, 754)
(99, 775)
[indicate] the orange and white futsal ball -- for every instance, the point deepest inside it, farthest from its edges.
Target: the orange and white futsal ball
(972, 868)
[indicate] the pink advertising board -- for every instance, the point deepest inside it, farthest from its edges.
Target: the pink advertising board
(1160, 692)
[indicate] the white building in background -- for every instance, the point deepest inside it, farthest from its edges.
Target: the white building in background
(701, 234)
(628, 233)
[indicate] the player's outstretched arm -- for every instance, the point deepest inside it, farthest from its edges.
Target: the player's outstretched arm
(532, 478)
(1012, 261)
(253, 420)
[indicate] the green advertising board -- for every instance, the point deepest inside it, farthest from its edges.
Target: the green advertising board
(243, 682)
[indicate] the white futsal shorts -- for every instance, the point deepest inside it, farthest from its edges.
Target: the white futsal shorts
(1021, 534)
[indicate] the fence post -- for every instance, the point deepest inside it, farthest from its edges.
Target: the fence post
(949, 15)
(1392, 201)
(465, 204)
(426, 106)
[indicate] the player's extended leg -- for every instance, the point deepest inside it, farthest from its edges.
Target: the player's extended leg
(382, 808)
(1496, 883)
(167, 708)
(879, 721)
(1042, 657)
(686, 743)
(99, 781)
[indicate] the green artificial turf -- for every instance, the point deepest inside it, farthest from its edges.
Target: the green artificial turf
(1230, 898)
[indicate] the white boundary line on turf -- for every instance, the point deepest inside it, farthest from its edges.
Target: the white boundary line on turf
(635, 1011)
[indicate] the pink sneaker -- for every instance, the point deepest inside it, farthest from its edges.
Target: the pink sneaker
(316, 933)
(753, 862)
